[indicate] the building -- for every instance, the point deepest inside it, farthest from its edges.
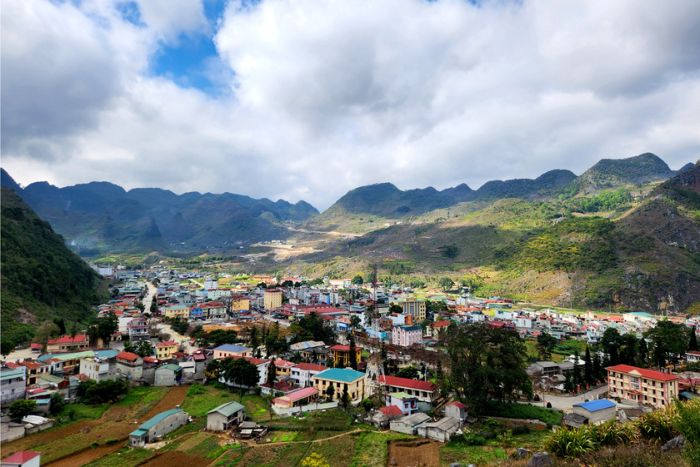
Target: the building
(22, 459)
(240, 303)
(168, 375)
(406, 403)
(692, 356)
(341, 379)
(129, 365)
(232, 350)
(424, 391)
(341, 355)
(177, 312)
(296, 398)
(13, 384)
(409, 424)
(302, 373)
(456, 410)
(414, 308)
(643, 386)
(596, 411)
(406, 336)
(166, 349)
(225, 416)
(442, 430)
(272, 299)
(157, 427)
(35, 370)
(68, 344)
(283, 368)
(137, 329)
(98, 369)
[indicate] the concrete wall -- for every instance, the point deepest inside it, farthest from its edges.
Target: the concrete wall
(217, 422)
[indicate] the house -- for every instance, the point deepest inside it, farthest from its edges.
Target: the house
(314, 351)
(232, 350)
(543, 369)
(13, 384)
(302, 372)
(213, 310)
(272, 299)
(406, 336)
(385, 415)
(442, 430)
(35, 370)
(407, 404)
(641, 385)
(596, 411)
(225, 416)
(68, 344)
(137, 329)
(240, 303)
(283, 368)
(414, 308)
(168, 375)
(157, 427)
(129, 365)
(341, 355)
(409, 424)
(98, 369)
(692, 356)
(22, 459)
(166, 349)
(456, 410)
(424, 391)
(340, 379)
(296, 398)
(437, 328)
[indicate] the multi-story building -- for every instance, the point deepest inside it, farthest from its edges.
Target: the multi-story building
(137, 329)
(232, 350)
(166, 349)
(240, 303)
(341, 354)
(641, 385)
(272, 299)
(303, 372)
(406, 336)
(424, 391)
(130, 365)
(415, 308)
(340, 379)
(97, 369)
(13, 384)
(67, 344)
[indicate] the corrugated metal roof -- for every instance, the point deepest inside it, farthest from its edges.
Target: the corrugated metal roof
(227, 409)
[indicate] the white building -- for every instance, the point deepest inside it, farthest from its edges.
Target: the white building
(405, 336)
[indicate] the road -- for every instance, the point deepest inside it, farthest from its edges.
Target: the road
(148, 299)
(566, 403)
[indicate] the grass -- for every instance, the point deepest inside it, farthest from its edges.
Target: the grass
(74, 412)
(524, 411)
(126, 456)
(455, 452)
(145, 395)
(202, 399)
(330, 420)
(371, 448)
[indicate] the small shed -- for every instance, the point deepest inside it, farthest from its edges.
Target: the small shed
(225, 416)
(442, 430)
(597, 411)
(157, 427)
(456, 410)
(409, 424)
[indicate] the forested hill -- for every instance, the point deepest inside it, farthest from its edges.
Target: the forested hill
(41, 278)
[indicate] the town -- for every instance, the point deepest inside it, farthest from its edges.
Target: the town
(222, 369)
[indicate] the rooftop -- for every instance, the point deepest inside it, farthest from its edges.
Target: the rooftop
(343, 375)
(153, 421)
(644, 372)
(227, 409)
(233, 348)
(595, 406)
(407, 383)
(20, 457)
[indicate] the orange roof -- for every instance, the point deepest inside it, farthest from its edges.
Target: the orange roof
(128, 356)
(644, 372)
(310, 367)
(166, 344)
(407, 383)
(78, 339)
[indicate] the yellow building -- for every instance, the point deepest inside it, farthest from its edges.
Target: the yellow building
(415, 308)
(341, 353)
(240, 303)
(339, 379)
(165, 350)
(177, 312)
(272, 299)
(642, 386)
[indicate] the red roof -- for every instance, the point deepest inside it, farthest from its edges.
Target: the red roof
(299, 394)
(150, 359)
(281, 363)
(166, 344)
(78, 339)
(644, 372)
(457, 404)
(407, 383)
(441, 324)
(391, 411)
(128, 356)
(20, 457)
(36, 345)
(310, 367)
(344, 348)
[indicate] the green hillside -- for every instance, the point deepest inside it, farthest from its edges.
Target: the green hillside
(41, 278)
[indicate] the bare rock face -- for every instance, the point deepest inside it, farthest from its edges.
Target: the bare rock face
(675, 443)
(540, 459)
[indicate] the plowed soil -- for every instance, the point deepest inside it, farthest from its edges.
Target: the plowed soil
(414, 453)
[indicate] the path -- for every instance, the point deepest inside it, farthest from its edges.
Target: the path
(566, 403)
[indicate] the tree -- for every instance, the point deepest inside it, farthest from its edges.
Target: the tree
(357, 280)
(57, 403)
(181, 326)
(693, 341)
(410, 372)
(486, 363)
(253, 338)
(6, 347)
(576, 374)
(352, 351)
(668, 341)
(588, 367)
(446, 283)
(687, 422)
(330, 391)
(312, 327)
(46, 331)
(355, 322)
(545, 345)
(629, 349)
(394, 308)
(236, 371)
(568, 382)
(271, 374)
(21, 408)
(611, 343)
(345, 397)
(598, 370)
(61, 323)
(91, 392)
(643, 355)
(142, 348)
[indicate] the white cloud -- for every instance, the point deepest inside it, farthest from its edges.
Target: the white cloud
(328, 95)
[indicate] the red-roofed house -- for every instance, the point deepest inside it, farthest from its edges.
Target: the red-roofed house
(67, 344)
(166, 349)
(456, 410)
(23, 459)
(641, 385)
(302, 373)
(342, 353)
(296, 398)
(425, 391)
(436, 328)
(283, 367)
(130, 365)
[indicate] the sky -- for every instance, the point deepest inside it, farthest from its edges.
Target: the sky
(306, 99)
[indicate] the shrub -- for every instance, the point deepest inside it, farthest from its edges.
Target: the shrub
(521, 430)
(688, 423)
(570, 443)
(658, 425)
(195, 390)
(612, 433)
(472, 439)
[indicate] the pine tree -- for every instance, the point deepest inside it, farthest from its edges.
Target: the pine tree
(577, 371)
(598, 371)
(271, 374)
(643, 356)
(345, 397)
(353, 350)
(693, 342)
(568, 382)
(588, 367)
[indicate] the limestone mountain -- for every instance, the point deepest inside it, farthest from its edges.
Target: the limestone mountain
(610, 173)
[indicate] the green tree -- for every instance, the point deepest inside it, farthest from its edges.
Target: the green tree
(357, 280)
(46, 331)
(629, 350)
(446, 283)
(693, 340)
(312, 327)
(355, 322)
(668, 342)
(643, 355)
(576, 374)
(394, 308)
(345, 397)
(6, 347)
(598, 370)
(330, 391)
(253, 338)
(57, 403)
(545, 345)
(410, 372)
(236, 371)
(271, 374)
(687, 422)
(180, 326)
(610, 342)
(486, 363)
(588, 367)
(352, 352)
(21, 408)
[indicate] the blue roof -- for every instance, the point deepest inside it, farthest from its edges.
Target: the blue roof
(344, 375)
(107, 353)
(594, 406)
(232, 348)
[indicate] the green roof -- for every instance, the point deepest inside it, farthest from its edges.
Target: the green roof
(67, 356)
(172, 367)
(228, 409)
(343, 375)
(138, 433)
(148, 424)
(400, 395)
(9, 373)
